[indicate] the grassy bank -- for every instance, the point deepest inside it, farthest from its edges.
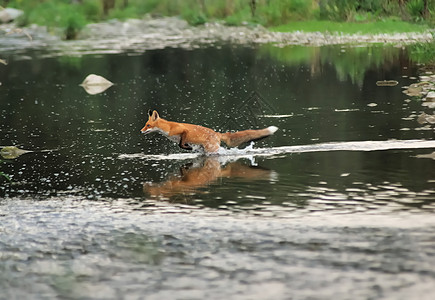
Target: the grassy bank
(366, 16)
(375, 27)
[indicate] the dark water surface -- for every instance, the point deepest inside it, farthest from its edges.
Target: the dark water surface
(339, 203)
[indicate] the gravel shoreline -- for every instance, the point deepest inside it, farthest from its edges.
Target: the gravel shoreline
(156, 33)
(175, 29)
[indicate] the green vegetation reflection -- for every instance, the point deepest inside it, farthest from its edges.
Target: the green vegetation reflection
(349, 62)
(3, 175)
(423, 53)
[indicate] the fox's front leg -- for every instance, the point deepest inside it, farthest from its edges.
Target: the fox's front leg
(183, 144)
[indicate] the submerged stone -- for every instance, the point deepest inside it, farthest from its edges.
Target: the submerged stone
(414, 90)
(11, 152)
(387, 83)
(430, 155)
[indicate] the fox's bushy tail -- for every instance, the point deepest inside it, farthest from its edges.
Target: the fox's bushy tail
(235, 139)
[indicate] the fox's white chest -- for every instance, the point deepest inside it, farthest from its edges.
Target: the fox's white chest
(174, 138)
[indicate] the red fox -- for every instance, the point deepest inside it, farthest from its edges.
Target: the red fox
(188, 135)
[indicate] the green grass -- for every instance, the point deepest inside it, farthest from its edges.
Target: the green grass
(363, 16)
(387, 26)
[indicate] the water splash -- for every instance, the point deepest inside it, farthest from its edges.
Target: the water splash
(347, 146)
(250, 152)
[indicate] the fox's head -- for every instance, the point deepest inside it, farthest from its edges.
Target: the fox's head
(150, 126)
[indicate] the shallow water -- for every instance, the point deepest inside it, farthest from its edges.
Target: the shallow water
(339, 202)
(73, 248)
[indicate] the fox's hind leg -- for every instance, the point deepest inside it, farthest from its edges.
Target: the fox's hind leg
(183, 144)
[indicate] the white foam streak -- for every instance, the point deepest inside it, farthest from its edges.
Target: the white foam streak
(173, 156)
(276, 116)
(250, 152)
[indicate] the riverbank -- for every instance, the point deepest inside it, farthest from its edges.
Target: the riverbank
(157, 33)
(176, 29)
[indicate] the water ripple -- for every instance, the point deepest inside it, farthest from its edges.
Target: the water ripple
(76, 248)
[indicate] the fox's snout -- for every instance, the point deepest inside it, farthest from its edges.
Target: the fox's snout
(147, 129)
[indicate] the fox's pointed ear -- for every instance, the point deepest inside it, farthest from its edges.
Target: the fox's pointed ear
(150, 112)
(155, 115)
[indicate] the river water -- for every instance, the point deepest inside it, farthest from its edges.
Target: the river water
(339, 203)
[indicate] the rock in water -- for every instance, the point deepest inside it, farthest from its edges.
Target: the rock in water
(9, 14)
(430, 96)
(95, 84)
(11, 152)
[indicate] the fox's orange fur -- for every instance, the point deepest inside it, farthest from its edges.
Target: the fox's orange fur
(187, 135)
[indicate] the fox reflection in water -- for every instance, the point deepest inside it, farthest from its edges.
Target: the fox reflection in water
(195, 176)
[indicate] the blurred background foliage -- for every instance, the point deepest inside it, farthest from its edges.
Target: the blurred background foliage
(68, 17)
(72, 15)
